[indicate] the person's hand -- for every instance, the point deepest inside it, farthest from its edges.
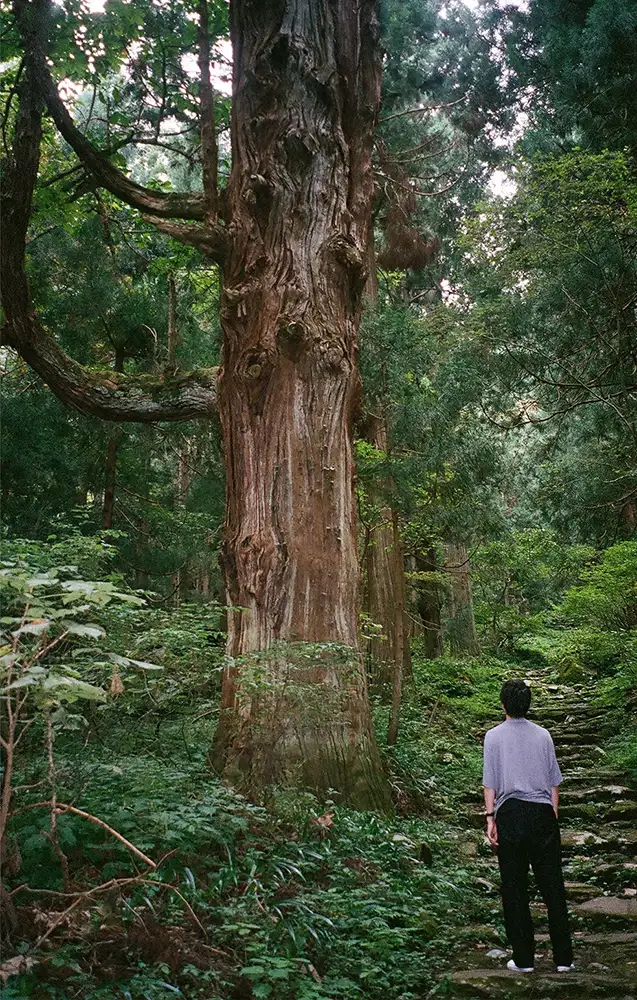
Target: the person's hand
(492, 832)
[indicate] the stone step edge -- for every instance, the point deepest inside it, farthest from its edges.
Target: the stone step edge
(579, 937)
(577, 977)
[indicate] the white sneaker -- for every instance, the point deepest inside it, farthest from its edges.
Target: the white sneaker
(515, 968)
(565, 968)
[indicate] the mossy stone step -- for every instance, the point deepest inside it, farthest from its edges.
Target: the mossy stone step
(624, 809)
(573, 713)
(587, 776)
(606, 839)
(590, 793)
(577, 891)
(620, 875)
(580, 891)
(589, 753)
(616, 878)
(608, 906)
(575, 738)
(608, 938)
(488, 937)
(596, 793)
(477, 983)
(565, 735)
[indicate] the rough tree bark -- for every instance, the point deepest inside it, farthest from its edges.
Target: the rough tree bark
(464, 639)
(305, 99)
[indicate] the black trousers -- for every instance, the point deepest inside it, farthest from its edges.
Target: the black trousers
(528, 834)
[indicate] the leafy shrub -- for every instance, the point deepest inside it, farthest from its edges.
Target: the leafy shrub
(607, 598)
(575, 651)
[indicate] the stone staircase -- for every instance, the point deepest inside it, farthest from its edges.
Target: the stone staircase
(598, 817)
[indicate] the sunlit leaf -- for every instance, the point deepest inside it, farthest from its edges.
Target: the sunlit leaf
(32, 628)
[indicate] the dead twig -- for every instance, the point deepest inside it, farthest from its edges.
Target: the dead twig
(168, 885)
(55, 924)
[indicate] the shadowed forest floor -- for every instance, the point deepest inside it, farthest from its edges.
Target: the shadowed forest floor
(307, 900)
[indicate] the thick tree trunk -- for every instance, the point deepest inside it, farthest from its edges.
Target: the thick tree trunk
(293, 251)
(306, 92)
(462, 626)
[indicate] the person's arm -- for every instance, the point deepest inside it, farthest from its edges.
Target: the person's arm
(555, 795)
(555, 777)
(489, 780)
(489, 808)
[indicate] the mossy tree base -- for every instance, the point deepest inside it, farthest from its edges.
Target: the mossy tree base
(297, 715)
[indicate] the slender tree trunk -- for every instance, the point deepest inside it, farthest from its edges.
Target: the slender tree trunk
(399, 632)
(462, 626)
(383, 577)
(110, 470)
(180, 578)
(173, 329)
(629, 519)
(428, 606)
(415, 625)
(385, 582)
(306, 93)
(380, 571)
(142, 554)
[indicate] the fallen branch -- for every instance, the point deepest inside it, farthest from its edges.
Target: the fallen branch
(114, 883)
(62, 807)
(56, 923)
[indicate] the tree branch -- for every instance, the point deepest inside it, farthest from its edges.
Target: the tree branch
(107, 395)
(212, 241)
(170, 205)
(423, 110)
(207, 112)
(31, 18)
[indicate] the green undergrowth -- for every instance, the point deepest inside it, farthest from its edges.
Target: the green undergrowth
(300, 899)
(293, 899)
(438, 759)
(296, 899)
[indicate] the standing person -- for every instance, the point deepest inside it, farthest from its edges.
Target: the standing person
(521, 796)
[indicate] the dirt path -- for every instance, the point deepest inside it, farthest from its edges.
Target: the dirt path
(598, 817)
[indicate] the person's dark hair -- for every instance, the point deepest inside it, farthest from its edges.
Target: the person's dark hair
(516, 699)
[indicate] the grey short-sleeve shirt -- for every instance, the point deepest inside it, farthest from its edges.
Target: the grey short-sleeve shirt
(520, 762)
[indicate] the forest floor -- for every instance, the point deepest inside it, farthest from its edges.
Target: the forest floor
(304, 899)
(598, 816)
